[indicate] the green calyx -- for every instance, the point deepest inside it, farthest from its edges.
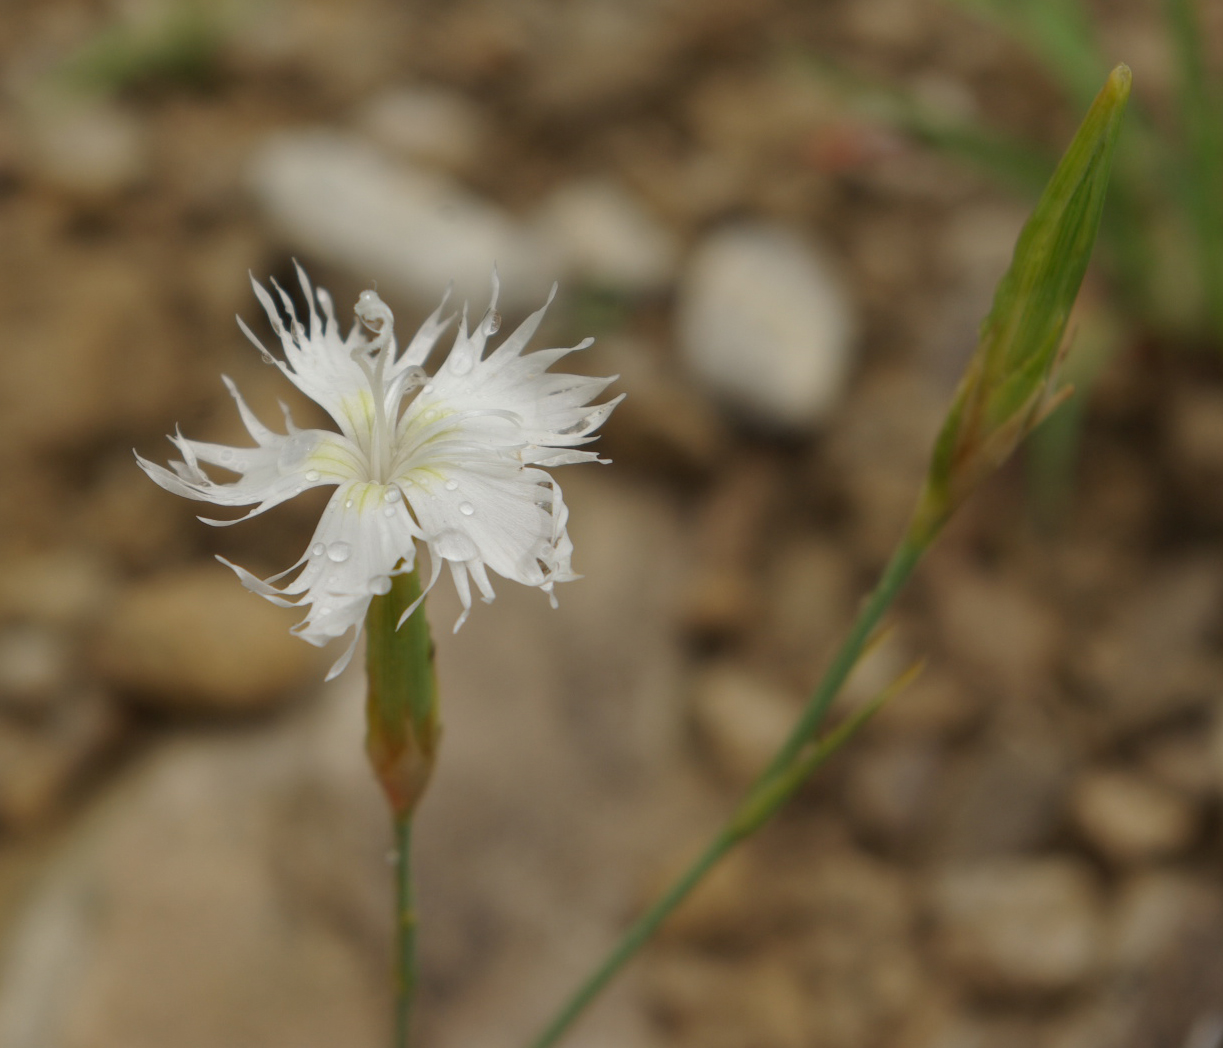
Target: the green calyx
(402, 723)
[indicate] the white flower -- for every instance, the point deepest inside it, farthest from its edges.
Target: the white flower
(450, 459)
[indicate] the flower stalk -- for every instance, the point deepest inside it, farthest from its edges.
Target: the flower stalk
(1008, 388)
(402, 734)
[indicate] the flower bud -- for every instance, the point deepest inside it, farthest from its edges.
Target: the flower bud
(1011, 381)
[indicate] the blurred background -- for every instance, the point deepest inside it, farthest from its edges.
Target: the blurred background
(783, 221)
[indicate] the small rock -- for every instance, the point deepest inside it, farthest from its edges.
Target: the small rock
(1153, 913)
(61, 587)
(1130, 819)
(765, 324)
(412, 230)
(39, 762)
(426, 125)
(606, 237)
(1002, 635)
(1006, 796)
(86, 147)
(742, 719)
(195, 639)
(34, 666)
(1154, 658)
(890, 789)
(1022, 928)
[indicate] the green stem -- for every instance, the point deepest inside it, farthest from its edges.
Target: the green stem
(401, 740)
(405, 932)
(771, 788)
(895, 575)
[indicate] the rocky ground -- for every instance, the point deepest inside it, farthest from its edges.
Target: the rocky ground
(1023, 850)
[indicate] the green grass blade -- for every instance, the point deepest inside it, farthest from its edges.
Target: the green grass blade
(1201, 109)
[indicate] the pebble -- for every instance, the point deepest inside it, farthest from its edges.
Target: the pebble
(1153, 913)
(742, 719)
(1006, 795)
(34, 667)
(59, 587)
(338, 198)
(889, 789)
(1021, 928)
(193, 639)
(605, 237)
(765, 324)
(1152, 659)
(1004, 637)
(1129, 819)
(426, 125)
(84, 147)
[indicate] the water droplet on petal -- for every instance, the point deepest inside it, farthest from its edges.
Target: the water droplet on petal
(389, 512)
(318, 549)
(295, 450)
(339, 552)
(428, 387)
(391, 494)
(312, 475)
(466, 508)
(461, 361)
(413, 377)
(452, 485)
(492, 323)
(454, 545)
(380, 584)
(348, 504)
(227, 454)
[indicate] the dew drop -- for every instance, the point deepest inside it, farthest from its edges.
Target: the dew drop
(452, 485)
(312, 475)
(454, 545)
(318, 549)
(413, 377)
(391, 494)
(380, 584)
(339, 552)
(466, 508)
(492, 323)
(295, 451)
(389, 512)
(428, 416)
(460, 361)
(348, 504)
(227, 455)
(427, 388)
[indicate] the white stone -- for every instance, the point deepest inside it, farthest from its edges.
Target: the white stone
(427, 125)
(765, 324)
(411, 230)
(1019, 927)
(606, 237)
(90, 149)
